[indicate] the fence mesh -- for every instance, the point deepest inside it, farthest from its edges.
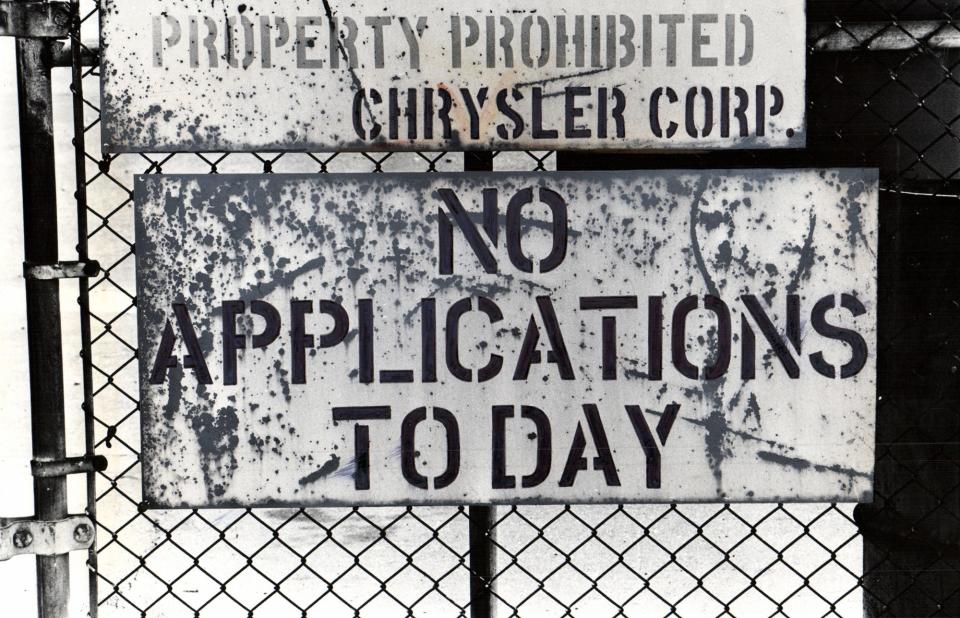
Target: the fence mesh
(883, 91)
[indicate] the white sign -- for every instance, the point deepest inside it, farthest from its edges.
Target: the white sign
(201, 75)
(505, 338)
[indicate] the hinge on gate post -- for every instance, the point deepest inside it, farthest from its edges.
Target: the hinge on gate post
(27, 535)
(35, 20)
(45, 538)
(61, 270)
(42, 468)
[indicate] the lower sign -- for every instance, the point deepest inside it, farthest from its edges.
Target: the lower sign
(507, 338)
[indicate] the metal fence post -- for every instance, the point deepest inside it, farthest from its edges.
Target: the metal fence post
(34, 60)
(483, 556)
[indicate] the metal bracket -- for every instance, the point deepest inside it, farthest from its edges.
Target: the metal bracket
(35, 20)
(68, 465)
(45, 538)
(60, 270)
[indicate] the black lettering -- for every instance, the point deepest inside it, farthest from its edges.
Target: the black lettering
(655, 125)
(449, 422)
(619, 105)
(572, 111)
(604, 459)
(271, 323)
(166, 359)
(499, 477)
(655, 338)
(469, 230)
(232, 341)
(544, 446)
(761, 102)
(408, 452)
(428, 339)
(691, 121)
(748, 342)
(495, 364)
(365, 328)
(529, 354)
(558, 228)
(504, 107)
(299, 339)
(428, 113)
(474, 109)
(858, 346)
(601, 112)
(396, 376)
(724, 335)
(453, 340)
(678, 335)
(537, 130)
(608, 328)
(647, 442)
(446, 104)
(341, 323)
(360, 101)
(770, 332)
(361, 437)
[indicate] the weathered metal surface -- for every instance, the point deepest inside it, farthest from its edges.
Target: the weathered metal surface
(654, 300)
(67, 466)
(61, 270)
(34, 20)
(44, 339)
(45, 538)
(189, 75)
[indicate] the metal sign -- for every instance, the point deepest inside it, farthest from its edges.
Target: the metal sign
(506, 338)
(201, 75)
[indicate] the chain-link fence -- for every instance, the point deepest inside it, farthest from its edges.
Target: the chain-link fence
(882, 91)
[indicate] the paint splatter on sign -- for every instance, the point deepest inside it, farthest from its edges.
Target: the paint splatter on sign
(507, 337)
(204, 75)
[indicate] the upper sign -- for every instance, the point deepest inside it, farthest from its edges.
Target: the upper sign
(577, 337)
(202, 75)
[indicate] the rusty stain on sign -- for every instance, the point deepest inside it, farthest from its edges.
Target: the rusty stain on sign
(507, 337)
(204, 75)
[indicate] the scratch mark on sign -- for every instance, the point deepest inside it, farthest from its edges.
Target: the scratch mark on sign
(325, 470)
(282, 280)
(694, 241)
(807, 255)
(803, 464)
(353, 74)
(543, 82)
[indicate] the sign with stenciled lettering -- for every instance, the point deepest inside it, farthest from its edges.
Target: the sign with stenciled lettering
(507, 338)
(203, 75)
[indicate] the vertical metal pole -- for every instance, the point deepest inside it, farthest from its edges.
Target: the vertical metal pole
(34, 60)
(483, 553)
(80, 159)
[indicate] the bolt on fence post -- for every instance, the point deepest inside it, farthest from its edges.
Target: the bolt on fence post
(34, 59)
(483, 553)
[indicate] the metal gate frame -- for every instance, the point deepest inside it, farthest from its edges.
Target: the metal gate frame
(893, 534)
